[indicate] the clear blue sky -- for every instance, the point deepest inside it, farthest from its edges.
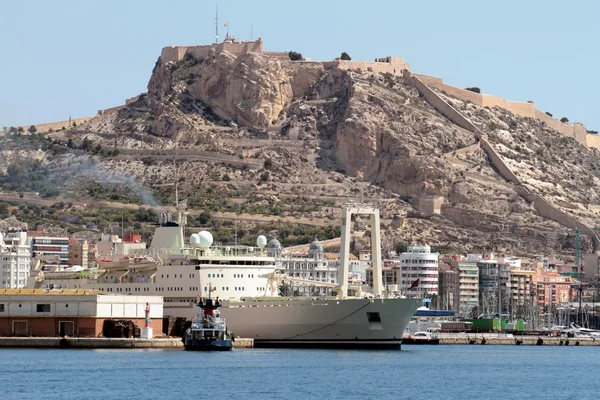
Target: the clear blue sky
(71, 58)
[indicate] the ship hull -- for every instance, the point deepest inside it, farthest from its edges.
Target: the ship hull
(348, 323)
(207, 345)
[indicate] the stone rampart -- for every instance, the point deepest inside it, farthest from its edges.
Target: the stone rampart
(237, 48)
(544, 208)
(54, 126)
(279, 55)
(429, 205)
(498, 162)
(110, 110)
(522, 109)
(440, 104)
(396, 65)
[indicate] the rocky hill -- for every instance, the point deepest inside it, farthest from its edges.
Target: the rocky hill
(256, 135)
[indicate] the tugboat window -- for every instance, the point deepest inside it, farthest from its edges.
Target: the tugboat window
(373, 317)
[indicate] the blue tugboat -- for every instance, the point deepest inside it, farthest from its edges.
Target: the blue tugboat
(208, 331)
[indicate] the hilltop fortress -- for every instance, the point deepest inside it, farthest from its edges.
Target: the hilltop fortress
(388, 65)
(392, 65)
(395, 66)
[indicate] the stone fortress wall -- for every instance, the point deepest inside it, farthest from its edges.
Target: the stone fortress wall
(235, 47)
(543, 207)
(393, 65)
(54, 126)
(390, 65)
(527, 109)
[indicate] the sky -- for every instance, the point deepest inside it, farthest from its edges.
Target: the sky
(61, 59)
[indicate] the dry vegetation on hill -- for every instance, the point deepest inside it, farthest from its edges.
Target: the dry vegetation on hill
(252, 135)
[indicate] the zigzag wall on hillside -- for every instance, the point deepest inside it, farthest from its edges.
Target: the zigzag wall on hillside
(528, 110)
(544, 208)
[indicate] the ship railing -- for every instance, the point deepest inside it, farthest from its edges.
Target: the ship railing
(216, 250)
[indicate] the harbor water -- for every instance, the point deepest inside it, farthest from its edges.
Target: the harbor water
(417, 372)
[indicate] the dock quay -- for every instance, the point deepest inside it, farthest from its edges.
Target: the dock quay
(515, 340)
(105, 343)
(90, 343)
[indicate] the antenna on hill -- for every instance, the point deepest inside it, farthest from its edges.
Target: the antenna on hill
(217, 23)
(251, 32)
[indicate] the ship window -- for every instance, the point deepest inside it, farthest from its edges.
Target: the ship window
(223, 288)
(205, 289)
(167, 275)
(222, 276)
(227, 287)
(43, 308)
(1, 307)
(373, 317)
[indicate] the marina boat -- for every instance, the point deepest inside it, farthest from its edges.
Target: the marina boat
(246, 279)
(208, 331)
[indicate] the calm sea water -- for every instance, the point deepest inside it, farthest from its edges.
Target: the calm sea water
(417, 372)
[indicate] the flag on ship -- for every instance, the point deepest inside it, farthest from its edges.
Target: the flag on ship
(414, 284)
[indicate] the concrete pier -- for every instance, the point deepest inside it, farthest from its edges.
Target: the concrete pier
(105, 343)
(243, 343)
(520, 341)
(90, 343)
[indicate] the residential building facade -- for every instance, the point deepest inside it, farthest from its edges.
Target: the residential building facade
(50, 246)
(468, 286)
(15, 258)
(449, 290)
(418, 262)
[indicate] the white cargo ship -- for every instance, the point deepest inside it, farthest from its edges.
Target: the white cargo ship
(246, 280)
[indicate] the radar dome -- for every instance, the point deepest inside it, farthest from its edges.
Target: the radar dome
(194, 240)
(206, 239)
(261, 241)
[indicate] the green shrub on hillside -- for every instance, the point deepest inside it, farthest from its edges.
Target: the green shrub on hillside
(295, 56)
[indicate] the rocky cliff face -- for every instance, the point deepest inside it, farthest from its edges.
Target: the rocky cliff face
(300, 131)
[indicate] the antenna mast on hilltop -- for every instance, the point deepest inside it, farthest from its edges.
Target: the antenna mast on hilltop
(217, 23)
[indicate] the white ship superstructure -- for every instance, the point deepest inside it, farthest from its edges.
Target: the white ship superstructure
(247, 280)
(180, 275)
